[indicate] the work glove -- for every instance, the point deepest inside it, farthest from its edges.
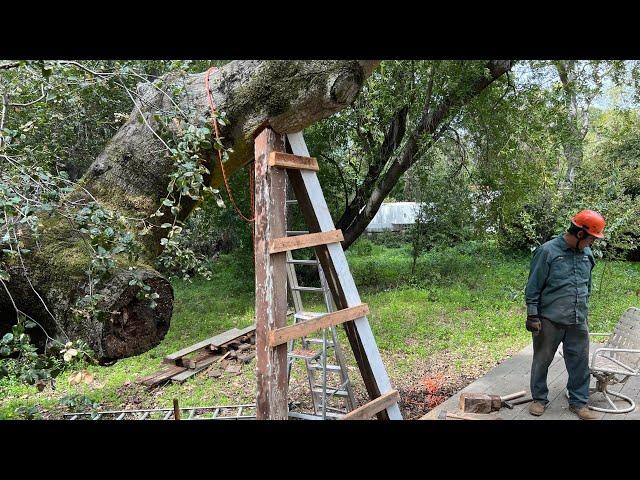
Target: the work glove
(534, 325)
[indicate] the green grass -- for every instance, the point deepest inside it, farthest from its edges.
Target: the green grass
(467, 303)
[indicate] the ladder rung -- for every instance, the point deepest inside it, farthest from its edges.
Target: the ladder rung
(121, 416)
(318, 340)
(304, 416)
(283, 244)
(304, 354)
(308, 289)
(169, 413)
(289, 160)
(331, 392)
(297, 232)
(302, 329)
(331, 368)
(308, 416)
(303, 262)
(334, 409)
(291, 202)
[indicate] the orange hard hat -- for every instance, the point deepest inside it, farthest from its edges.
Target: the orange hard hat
(590, 221)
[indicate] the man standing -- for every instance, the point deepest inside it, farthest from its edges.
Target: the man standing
(557, 296)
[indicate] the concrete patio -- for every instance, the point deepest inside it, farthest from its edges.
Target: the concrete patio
(512, 375)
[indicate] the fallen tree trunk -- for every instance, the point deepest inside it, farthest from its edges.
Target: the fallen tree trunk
(130, 178)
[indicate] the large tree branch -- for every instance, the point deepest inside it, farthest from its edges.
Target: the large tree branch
(421, 138)
(131, 176)
(392, 139)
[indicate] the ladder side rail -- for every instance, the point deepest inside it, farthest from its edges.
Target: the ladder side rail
(309, 194)
(337, 351)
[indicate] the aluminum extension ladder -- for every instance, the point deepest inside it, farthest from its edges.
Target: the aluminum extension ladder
(327, 363)
(227, 412)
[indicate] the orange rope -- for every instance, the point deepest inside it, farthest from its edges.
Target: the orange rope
(214, 122)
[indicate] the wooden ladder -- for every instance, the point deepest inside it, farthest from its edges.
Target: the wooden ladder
(273, 166)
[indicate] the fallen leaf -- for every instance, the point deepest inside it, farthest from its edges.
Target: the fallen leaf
(83, 376)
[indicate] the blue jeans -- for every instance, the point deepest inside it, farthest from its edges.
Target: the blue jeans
(575, 346)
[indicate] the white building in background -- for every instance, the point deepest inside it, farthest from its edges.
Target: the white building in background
(394, 216)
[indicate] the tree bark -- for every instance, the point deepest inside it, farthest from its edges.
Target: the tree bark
(131, 177)
(576, 118)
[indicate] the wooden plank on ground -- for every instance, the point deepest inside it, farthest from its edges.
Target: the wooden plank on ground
(182, 376)
(208, 361)
(191, 362)
(171, 358)
(162, 375)
(302, 329)
(221, 341)
(288, 160)
(217, 341)
(368, 410)
(283, 244)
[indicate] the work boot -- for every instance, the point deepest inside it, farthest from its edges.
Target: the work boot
(536, 408)
(584, 412)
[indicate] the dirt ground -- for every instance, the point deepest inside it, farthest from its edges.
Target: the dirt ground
(430, 383)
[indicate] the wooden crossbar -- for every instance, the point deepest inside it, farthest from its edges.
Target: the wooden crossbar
(302, 329)
(288, 160)
(283, 244)
(368, 410)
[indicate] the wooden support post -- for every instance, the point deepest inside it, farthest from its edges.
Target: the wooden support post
(176, 409)
(271, 279)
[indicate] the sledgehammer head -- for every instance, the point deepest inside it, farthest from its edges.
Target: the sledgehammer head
(471, 402)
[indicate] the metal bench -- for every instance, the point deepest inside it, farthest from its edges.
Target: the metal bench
(617, 360)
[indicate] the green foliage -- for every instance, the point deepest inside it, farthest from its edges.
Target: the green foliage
(20, 359)
(362, 247)
(78, 403)
(388, 238)
(30, 412)
(609, 180)
(81, 105)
